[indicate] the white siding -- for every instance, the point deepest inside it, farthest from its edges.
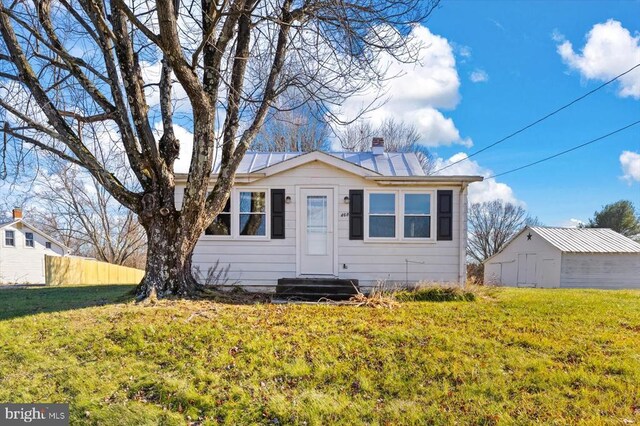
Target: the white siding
(263, 262)
(540, 263)
(600, 270)
(21, 264)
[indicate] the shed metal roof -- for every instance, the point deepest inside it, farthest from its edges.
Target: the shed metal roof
(587, 240)
(387, 164)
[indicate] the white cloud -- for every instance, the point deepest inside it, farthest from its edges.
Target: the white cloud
(557, 36)
(571, 223)
(185, 137)
(630, 162)
(479, 192)
(479, 76)
(435, 128)
(463, 51)
(610, 49)
(417, 92)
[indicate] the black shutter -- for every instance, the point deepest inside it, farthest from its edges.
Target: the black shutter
(356, 214)
(277, 214)
(445, 215)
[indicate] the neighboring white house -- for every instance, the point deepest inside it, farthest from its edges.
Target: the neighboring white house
(22, 251)
(370, 216)
(566, 257)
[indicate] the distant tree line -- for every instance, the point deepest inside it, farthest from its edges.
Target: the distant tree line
(620, 216)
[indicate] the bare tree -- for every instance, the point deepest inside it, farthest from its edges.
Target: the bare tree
(78, 211)
(292, 131)
(398, 137)
(82, 76)
(492, 224)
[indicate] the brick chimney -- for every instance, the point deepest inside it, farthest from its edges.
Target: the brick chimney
(17, 213)
(377, 146)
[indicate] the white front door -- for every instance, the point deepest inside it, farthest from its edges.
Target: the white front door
(316, 231)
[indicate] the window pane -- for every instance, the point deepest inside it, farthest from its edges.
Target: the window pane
(382, 226)
(317, 211)
(221, 225)
(9, 238)
(252, 224)
(382, 203)
(227, 206)
(417, 226)
(252, 202)
(28, 239)
(317, 225)
(417, 203)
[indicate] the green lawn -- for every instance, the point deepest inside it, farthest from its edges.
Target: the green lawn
(515, 357)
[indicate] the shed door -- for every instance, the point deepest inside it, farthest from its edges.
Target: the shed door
(527, 270)
(316, 231)
(522, 269)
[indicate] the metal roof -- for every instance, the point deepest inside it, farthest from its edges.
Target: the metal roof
(587, 240)
(387, 164)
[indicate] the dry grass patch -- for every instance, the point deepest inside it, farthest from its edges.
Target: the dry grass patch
(522, 356)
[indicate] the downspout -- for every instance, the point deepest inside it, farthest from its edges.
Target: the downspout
(462, 238)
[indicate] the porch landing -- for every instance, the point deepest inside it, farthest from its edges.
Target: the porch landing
(314, 289)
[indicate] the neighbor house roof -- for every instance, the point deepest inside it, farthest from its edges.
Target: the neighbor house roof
(33, 228)
(587, 240)
(386, 164)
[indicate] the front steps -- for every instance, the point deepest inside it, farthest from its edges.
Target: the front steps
(314, 289)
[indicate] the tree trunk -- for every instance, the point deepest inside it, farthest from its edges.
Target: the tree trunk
(169, 253)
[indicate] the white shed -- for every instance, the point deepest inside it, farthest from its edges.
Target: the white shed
(22, 251)
(566, 257)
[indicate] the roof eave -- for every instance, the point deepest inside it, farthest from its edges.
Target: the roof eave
(240, 177)
(426, 180)
(383, 180)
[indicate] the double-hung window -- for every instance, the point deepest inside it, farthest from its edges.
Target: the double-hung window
(417, 215)
(10, 238)
(399, 215)
(28, 239)
(221, 225)
(252, 213)
(382, 215)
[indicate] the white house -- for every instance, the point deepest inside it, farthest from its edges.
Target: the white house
(22, 251)
(369, 216)
(566, 257)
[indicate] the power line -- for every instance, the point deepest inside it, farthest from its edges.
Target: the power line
(565, 151)
(539, 120)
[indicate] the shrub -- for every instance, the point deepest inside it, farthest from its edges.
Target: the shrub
(435, 293)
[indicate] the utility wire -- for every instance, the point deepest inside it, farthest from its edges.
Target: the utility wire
(565, 151)
(539, 120)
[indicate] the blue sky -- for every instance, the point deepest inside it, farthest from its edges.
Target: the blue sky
(491, 67)
(510, 49)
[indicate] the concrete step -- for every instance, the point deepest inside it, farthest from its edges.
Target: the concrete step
(313, 289)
